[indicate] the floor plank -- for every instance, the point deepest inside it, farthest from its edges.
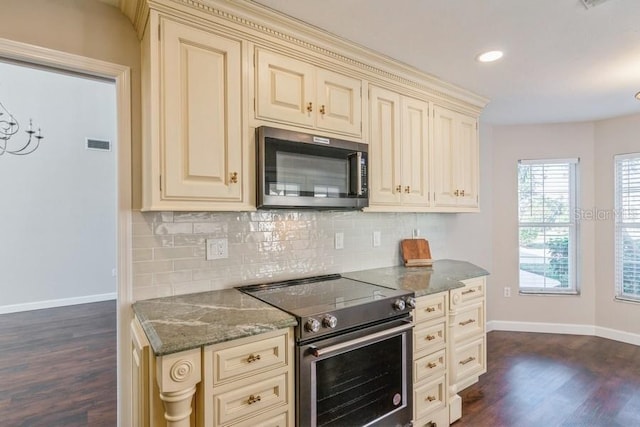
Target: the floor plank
(555, 380)
(58, 367)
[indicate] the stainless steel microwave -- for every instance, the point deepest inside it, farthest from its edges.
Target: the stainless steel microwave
(299, 170)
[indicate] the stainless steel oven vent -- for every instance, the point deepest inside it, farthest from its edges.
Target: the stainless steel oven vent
(98, 144)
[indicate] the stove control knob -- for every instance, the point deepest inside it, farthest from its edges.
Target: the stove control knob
(329, 321)
(411, 302)
(398, 305)
(312, 325)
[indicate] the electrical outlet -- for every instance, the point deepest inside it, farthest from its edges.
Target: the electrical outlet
(416, 233)
(339, 240)
(376, 239)
(217, 249)
(507, 292)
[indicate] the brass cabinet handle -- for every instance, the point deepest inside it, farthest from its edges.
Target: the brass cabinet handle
(430, 309)
(310, 107)
(407, 189)
(466, 322)
(470, 291)
(253, 399)
(322, 111)
(253, 358)
(465, 361)
(461, 193)
(431, 398)
(431, 337)
(399, 189)
(234, 177)
(456, 193)
(431, 365)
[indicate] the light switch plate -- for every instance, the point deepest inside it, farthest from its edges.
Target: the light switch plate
(217, 249)
(339, 240)
(376, 239)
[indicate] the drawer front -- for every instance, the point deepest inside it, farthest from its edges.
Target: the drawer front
(433, 364)
(246, 359)
(250, 399)
(430, 307)
(280, 420)
(429, 338)
(468, 322)
(430, 397)
(472, 291)
(469, 360)
(440, 418)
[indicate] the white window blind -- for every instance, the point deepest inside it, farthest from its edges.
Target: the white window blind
(627, 230)
(547, 225)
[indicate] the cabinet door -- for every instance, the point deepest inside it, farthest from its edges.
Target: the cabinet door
(468, 159)
(285, 89)
(200, 115)
(444, 157)
(339, 101)
(384, 147)
(415, 152)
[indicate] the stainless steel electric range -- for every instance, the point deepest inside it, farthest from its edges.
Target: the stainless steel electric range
(353, 349)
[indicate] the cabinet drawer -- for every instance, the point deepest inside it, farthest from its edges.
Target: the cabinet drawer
(431, 307)
(472, 291)
(250, 399)
(280, 420)
(246, 359)
(432, 364)
(468, 322)
(469, 360)
(430, 397)
(429, 338)
(440, 418)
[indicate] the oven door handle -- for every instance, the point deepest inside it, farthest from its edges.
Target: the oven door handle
(319, 352)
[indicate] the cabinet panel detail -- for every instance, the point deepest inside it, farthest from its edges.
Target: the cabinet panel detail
(430, 397)
(249, 358)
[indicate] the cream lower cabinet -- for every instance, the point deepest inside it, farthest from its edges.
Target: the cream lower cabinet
(242, 383)
(455, 160)
(468, 342)
(195, 156)
(430, 361)
(398, 151)
(294, 92)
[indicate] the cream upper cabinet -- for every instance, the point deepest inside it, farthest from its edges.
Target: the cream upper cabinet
(455, 159)
(297, 93)
(194, 153)
(398, 151)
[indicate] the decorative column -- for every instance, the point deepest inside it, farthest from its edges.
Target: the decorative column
(177, 376)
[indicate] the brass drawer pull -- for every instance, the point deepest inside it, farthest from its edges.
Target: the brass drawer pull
(470, 291)
(462, 193)
(430, 309)
(310, 107)
(407, 189)
(399, 189)
(431, 398)
(431, 337)
(253, 399)
(234, 177)
(467, 360)
(466, 322)
(253, 358)
(431, 365)
(322, 110)
(456, 193)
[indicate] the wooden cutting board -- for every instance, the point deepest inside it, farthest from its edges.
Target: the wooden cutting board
(416, 253)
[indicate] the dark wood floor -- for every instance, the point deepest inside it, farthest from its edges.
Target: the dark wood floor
(58, 367)
(555, 380)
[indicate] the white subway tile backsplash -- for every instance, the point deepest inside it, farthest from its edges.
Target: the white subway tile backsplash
(169, 247)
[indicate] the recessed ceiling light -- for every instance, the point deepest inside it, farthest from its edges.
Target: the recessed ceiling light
(638, 96)
(492, 55)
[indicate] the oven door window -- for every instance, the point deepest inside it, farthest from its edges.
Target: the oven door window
(305, 170)
(358, 387)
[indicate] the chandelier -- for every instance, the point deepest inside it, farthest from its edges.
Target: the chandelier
(9, 126)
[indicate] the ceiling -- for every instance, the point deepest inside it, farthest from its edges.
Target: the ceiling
(562, 63)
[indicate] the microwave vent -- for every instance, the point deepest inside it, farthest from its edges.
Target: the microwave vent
(98, 144)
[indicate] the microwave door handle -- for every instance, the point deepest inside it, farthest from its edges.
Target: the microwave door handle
(357, 158)
(359, 173)
(319, 352)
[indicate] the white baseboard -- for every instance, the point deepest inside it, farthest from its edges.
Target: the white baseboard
(15, 308)
(564, 328)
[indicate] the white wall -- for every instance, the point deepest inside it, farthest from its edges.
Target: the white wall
(59, 203)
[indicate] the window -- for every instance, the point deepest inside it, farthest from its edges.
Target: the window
(627, 193)
(547, 226)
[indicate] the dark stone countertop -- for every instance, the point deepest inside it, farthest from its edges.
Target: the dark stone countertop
(444, 275)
